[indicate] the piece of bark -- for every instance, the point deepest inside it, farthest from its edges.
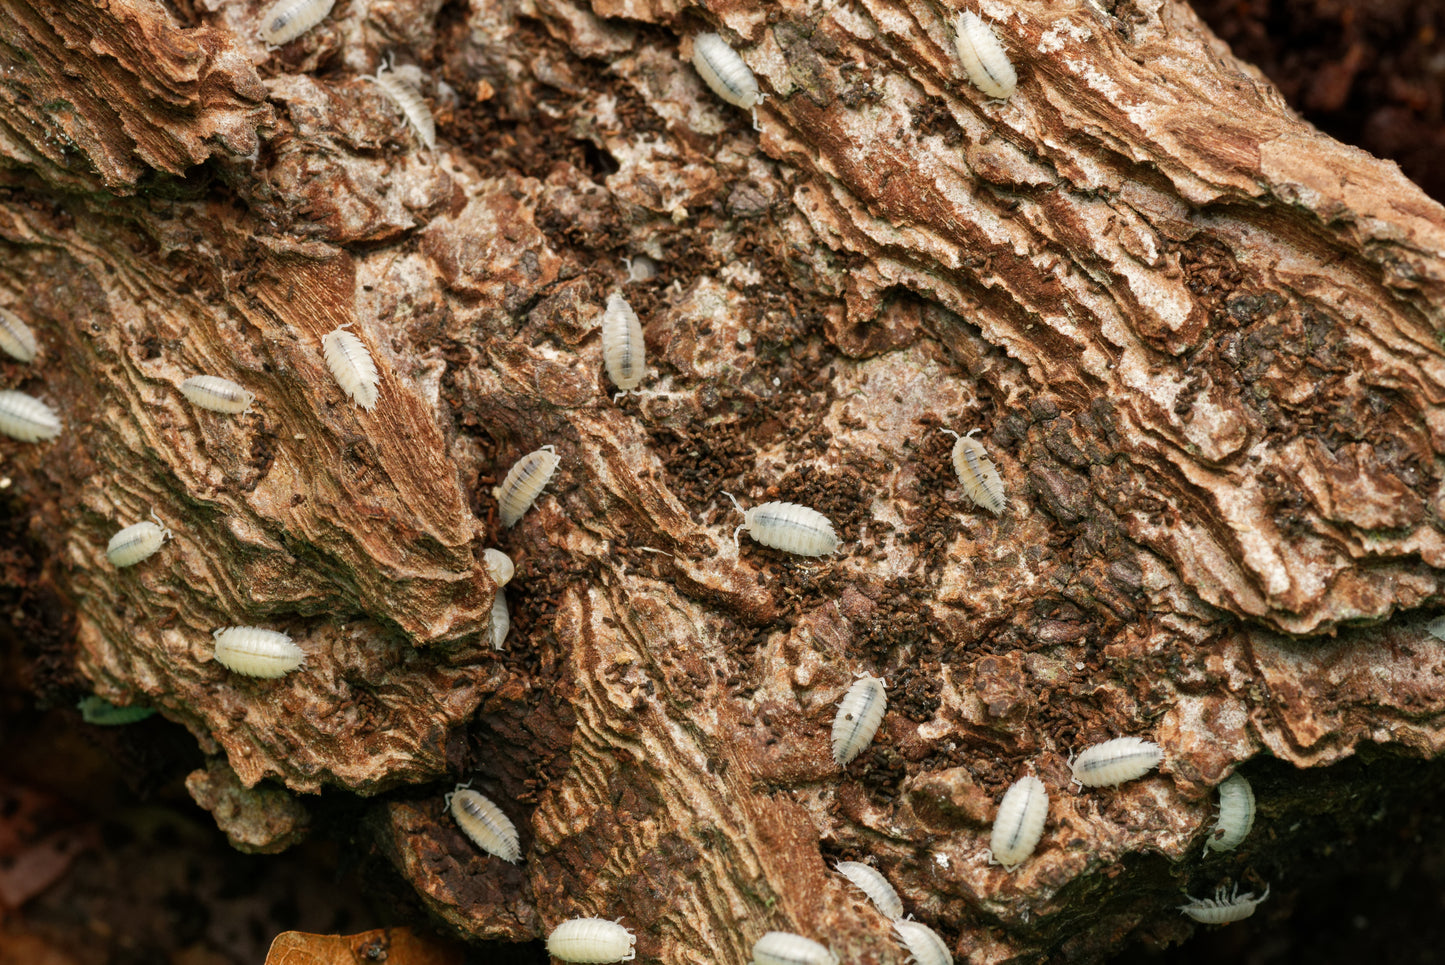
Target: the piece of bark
(1199, 338)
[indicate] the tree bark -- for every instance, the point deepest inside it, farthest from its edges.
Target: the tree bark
(1201, 340)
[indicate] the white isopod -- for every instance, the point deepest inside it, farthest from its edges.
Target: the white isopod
(923, 943)
(977, 473)
(623, 350)
(859, 714)
(285, 20)
(787, 527)
(726, 73)
(1436, 628)
(591, 940)
(412, 104)
(484, 823)
(256, 652)
(872, 883)
(16, 338)
(1222, 909)
(26, 418)
(499, 566)
(137, 542)
(352, 366)
(785, 948)
(217, 394)
(525, 482)
(1236, 815)
(983, 56)
(1020, 822)
(1116, 761)
(501, 620)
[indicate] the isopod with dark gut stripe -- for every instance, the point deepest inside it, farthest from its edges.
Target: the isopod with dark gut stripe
(1116, 761)
(984, 59)
(482, 821)
(524, 483)
(788, 527)
(26, 418)
(859, 714)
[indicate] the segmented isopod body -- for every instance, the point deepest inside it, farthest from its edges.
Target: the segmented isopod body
(1116, 761)
(1221, 910)
(923, 943)
(623, 350)
(788, 527)
(984, 59)
(499, 566)
(872, 883)
(1020, 822)
(412, 104)
(484, 823)
(26, 418)
(725, 72)
(1236, 815)
(501, 620)
(591, 940)
(16, 338)
(859, 714)
(98, 710)
(977, 473)
(352, 366)
(256, 652)
(217, 394)
(1436, 628)
(785, 948)
(137, 542)
(285, 20)
(525, 482)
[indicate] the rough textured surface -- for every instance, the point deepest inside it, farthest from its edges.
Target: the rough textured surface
(257, 820)
(1200, 340)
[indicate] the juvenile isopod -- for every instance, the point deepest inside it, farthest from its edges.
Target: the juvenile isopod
(923, 943)
(137, 542)
(217, 394)
(16, 338)
(1236, 815)
(525, 482)
(785, 948)
(256, 652)
(285, 20)
(1116, 761)
(983, 56)
(788, 527)
(1221, 910)
(1436, 628)
(484, 823)
(351, 365)
(499, 566)
(859, 714)
(501, 620)
(623, 350)
(977, 473)
(412, 104)
(1020, 822)
(591, 940)
(98, 710)
(26, 418)
(872, 883)
(726, 73)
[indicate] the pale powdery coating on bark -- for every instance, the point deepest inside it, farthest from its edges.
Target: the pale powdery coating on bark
(412, 104)
(785, 948)
(923, 943)
(16, 338)
(983, 57)
(1236, 815)
(26, 418)
(136, 542)
(859, 714)
(285, 20)
(256, 652)
(724, 71)
(1221, 910)
(524, 483)
(1020, 822)
(624, 352)
(872, 883)
(352, 366)
(1116, 761)
(217, 394)
(482, 821)
(591, 940)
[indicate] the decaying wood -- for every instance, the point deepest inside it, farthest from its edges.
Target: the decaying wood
(1200, 338)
